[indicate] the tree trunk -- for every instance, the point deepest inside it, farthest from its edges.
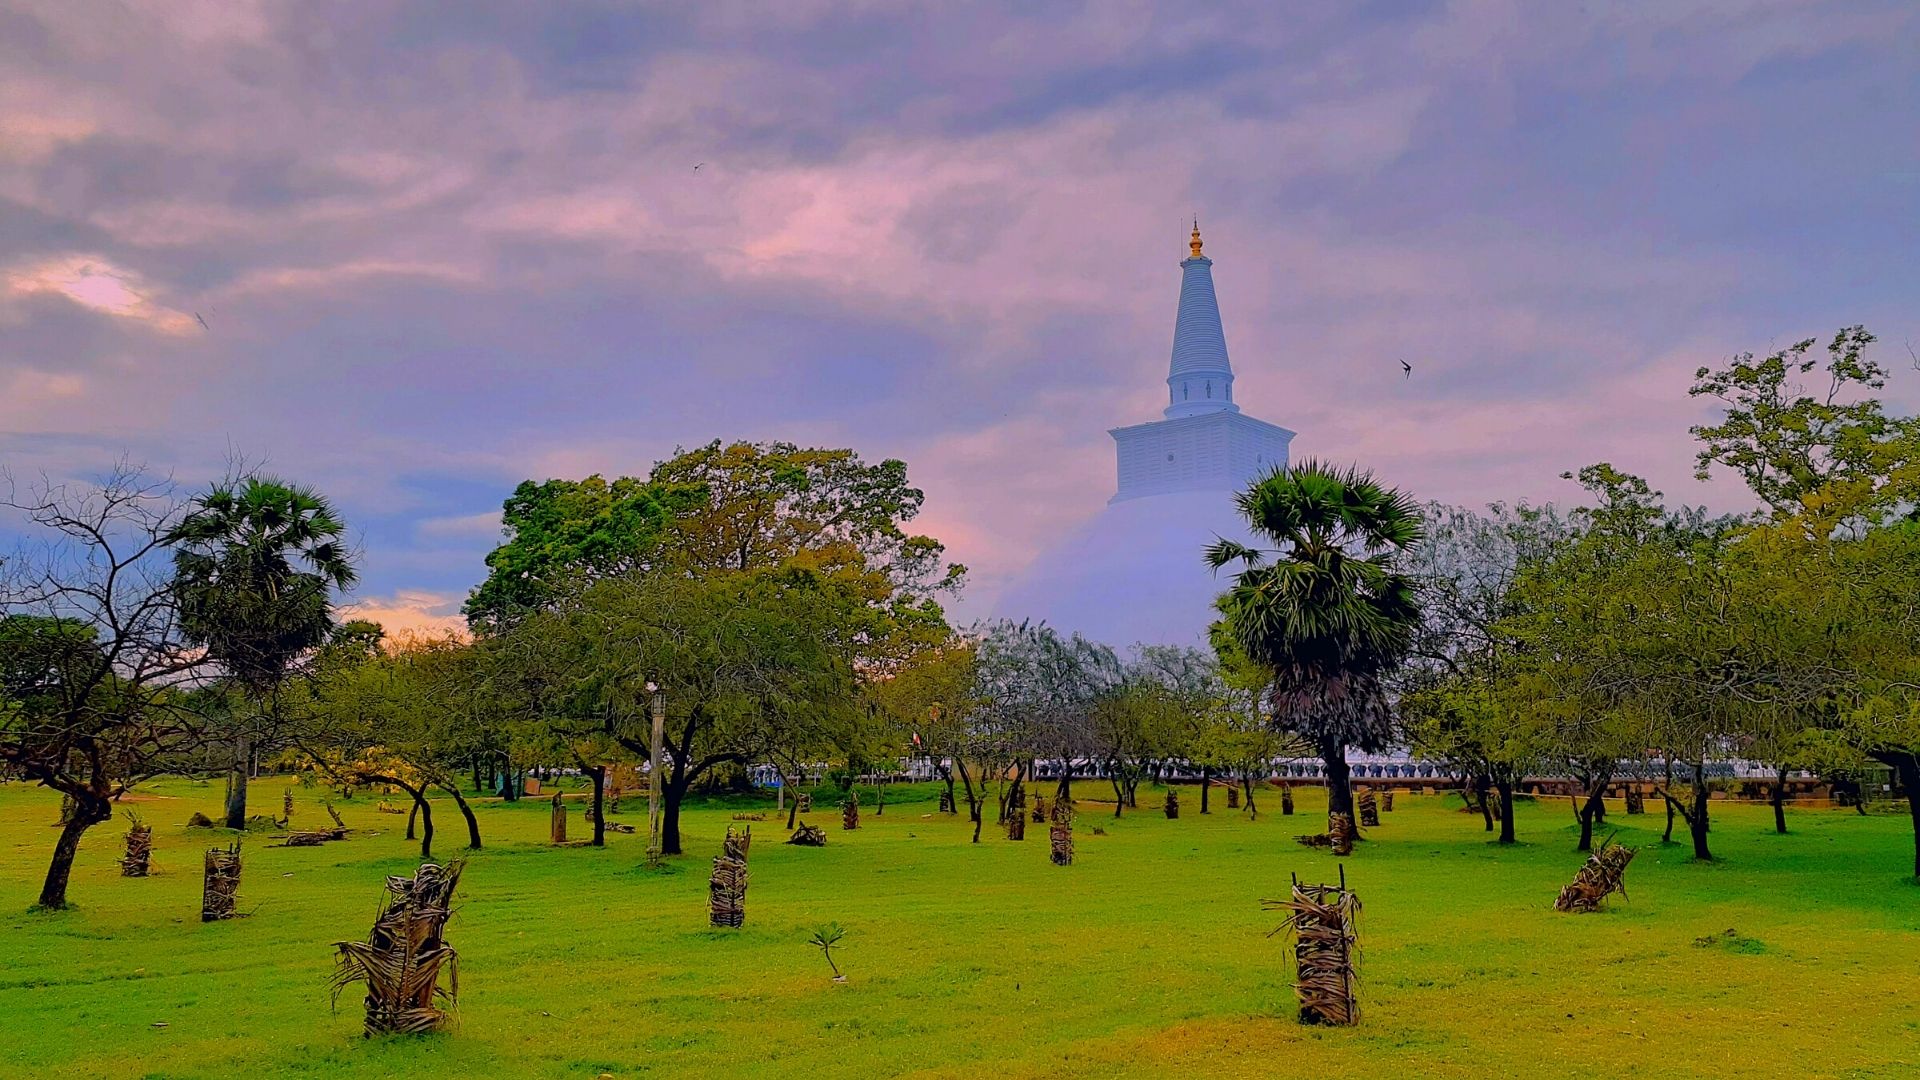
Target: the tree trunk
(425, 808)
(598, 773)
(674, 790)
(1505, 788)
(1780, 800)
(1909, 769)
(1339, 782)
(1594, 810)
(793, 807)
(1206, 786)
(1119, 793)
(413, 816)
(88, 811)
(974, 799)
(1483, 787)
(1253, 812)
(466, 811)
(237, 783)
(1697, 821)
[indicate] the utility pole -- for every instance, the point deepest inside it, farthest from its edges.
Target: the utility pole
(657, 700)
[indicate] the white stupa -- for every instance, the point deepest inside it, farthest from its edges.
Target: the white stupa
(1134, 573)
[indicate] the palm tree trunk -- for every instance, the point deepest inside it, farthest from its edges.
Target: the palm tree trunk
(1339, 781)
(237, 783)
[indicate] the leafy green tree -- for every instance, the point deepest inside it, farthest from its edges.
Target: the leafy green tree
(747, 661)
(1325, 611)
(256, 563)
(403, 714)
(561, 531)
(1834, 455)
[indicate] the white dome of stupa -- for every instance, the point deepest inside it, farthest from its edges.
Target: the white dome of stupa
(1134, 573)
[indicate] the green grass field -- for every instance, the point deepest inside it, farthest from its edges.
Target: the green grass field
(1148, 957)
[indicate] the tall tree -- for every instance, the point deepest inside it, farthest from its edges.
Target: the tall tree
(256, 563)
(95, 677)
(1324, 610)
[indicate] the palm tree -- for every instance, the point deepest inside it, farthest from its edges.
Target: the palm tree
(1323, 613)
(255, 564)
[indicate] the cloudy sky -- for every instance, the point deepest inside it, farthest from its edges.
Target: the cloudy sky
(440, 247)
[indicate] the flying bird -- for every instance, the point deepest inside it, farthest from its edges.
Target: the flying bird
(696, 167)
(203, 322)
(1408, 368)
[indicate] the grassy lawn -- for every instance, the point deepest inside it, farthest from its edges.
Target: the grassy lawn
(1145, 958)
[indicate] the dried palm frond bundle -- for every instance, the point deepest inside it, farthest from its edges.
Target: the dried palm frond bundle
(1286, 801)
(314, 837)
(139, 857)
(805, 799)
(1386, 800)
(1173, 804)
(559, 825)
(402, 958)
(286, 805)
(1060, 833)
(221, 889)
(199, 821)
(1314, 840)
(850, 811)
(1604, 873)
(749, 817)
(1233, 798)
(808, 836)
(386, 807)
(1016, 824)
(727, 888)
(946, 802)
(1636, 802)
(1323, 921)
(1340, 832)
(1039, 809)
(1369, 808)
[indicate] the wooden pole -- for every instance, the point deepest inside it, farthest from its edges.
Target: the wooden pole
(656, 777)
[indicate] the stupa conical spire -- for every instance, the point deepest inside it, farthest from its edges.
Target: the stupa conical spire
(1200, 379)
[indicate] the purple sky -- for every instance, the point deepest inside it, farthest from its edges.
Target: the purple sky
(442, 247)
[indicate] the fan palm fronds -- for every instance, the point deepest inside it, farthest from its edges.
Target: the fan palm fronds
(401, 960)
(1286, 801)
(850, 811)
(808, 836)
(1605, 873)
(825, 938)
(1369, 808)
(1233, 798)
(220, 890)
(139, 857)
(1173, 804)
(1340, 832)
(727, 888)
(1060, 833)
(1324, 923)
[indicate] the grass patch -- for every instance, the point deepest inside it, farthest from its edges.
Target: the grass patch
(1147, 957)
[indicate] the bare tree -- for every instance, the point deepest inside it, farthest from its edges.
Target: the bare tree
(95, 678)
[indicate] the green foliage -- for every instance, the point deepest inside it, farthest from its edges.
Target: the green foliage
(1327, 614)
(563, 531)
(1833, 454)
(255, 564)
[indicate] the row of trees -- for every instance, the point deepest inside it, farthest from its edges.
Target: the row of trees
(1629, 634)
